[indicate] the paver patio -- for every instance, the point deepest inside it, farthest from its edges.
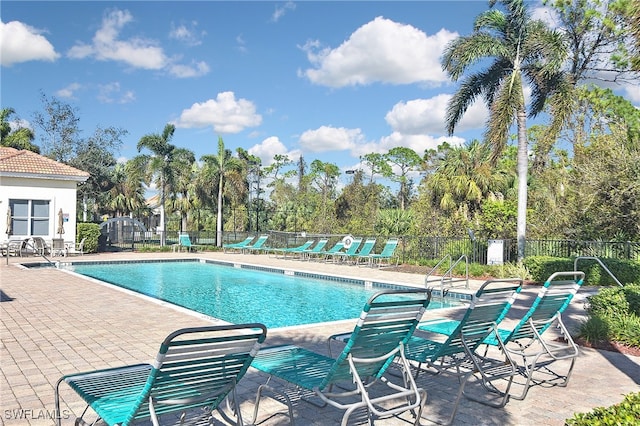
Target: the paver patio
(54, 323)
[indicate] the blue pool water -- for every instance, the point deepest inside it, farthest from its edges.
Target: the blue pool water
(240, 295)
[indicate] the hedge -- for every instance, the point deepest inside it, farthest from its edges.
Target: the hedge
(626, 271)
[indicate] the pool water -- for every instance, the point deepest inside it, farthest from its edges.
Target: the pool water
(240, 295)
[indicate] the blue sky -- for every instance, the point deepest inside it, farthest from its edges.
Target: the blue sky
(328, 80)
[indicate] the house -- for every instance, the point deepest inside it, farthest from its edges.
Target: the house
(33, 190)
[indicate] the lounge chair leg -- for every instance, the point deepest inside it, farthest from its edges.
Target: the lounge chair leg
(264, 389)
(455, 405)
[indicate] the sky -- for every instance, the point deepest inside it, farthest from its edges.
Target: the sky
(328, 80)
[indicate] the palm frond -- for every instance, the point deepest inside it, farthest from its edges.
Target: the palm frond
(491, 19)
(464, 52)
(503, 110)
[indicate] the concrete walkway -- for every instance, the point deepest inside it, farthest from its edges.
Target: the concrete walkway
(54, 323)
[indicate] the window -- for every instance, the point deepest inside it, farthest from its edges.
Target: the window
(30, 217)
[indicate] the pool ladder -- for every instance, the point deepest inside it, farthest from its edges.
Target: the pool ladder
(447, 280)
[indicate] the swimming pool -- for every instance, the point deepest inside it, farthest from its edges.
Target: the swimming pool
(244, 293)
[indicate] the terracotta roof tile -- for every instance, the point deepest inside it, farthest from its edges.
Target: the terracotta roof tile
(23, 162)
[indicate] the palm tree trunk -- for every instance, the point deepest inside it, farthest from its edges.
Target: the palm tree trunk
(163, 227)
(523, 159)
(219, 218)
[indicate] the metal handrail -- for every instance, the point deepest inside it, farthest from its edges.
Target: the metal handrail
(449, 273)
(575, 266)
(35, 250)
(426, 278)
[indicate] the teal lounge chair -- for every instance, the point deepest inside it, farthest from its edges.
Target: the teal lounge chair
(364, 252)
(458, 355)
(526, 341)
(195, 367)
(324, 254)
(320, 245)
(184, 241)
(349, 252)
(386, 255)
(292, 250)
(385, 325)
(257, 246)
(237, 246)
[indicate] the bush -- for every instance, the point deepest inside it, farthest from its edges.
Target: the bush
(541, 267)
(626, 271)
(625, 413)
(512, 270)
(594, 331)
(614, 315)
(90, 231)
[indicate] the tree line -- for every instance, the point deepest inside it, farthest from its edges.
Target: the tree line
(576, 175)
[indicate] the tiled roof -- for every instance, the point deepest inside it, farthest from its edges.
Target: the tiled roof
(24, 163)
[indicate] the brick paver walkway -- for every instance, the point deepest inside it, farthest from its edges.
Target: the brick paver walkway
(54, 323)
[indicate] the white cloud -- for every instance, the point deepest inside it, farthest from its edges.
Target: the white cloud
(241, 44)
(328, 138)
(423, 116)
(282, 10)
(188, 35)
(632, 92)
(269, 148)
(69, 91)
(381, 50)
(546, 14)
(20, 123)
(21, 43)
(112, 94)
(196, 69)
(136, 52)
(225, 113)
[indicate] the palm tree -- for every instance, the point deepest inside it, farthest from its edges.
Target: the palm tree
(127, 193)
(522, 51)
(219, 168)
(159, 166)
(20, 138)
(464, 177)
(184, 170)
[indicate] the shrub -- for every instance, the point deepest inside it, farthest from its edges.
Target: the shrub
(626, 271)
(477, 270)
(608, 302)
(595, 330)
(614, 314)
(90, 231)
(512, 270)
(625, 413)
(541, 267)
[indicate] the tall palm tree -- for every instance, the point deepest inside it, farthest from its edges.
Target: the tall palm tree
(522, 51)
(184, 170)
(158, 166)
(219, 167)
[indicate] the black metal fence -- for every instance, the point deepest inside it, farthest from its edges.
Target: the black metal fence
(411, 249)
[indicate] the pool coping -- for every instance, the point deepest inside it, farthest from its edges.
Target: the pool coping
(459, 294)
(367, 284)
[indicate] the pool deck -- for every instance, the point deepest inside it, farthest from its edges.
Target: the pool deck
(55, 323)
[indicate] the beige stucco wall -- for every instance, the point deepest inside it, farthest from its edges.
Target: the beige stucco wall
(60, 193)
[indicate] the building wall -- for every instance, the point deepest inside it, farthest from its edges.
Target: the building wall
(61, 194)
